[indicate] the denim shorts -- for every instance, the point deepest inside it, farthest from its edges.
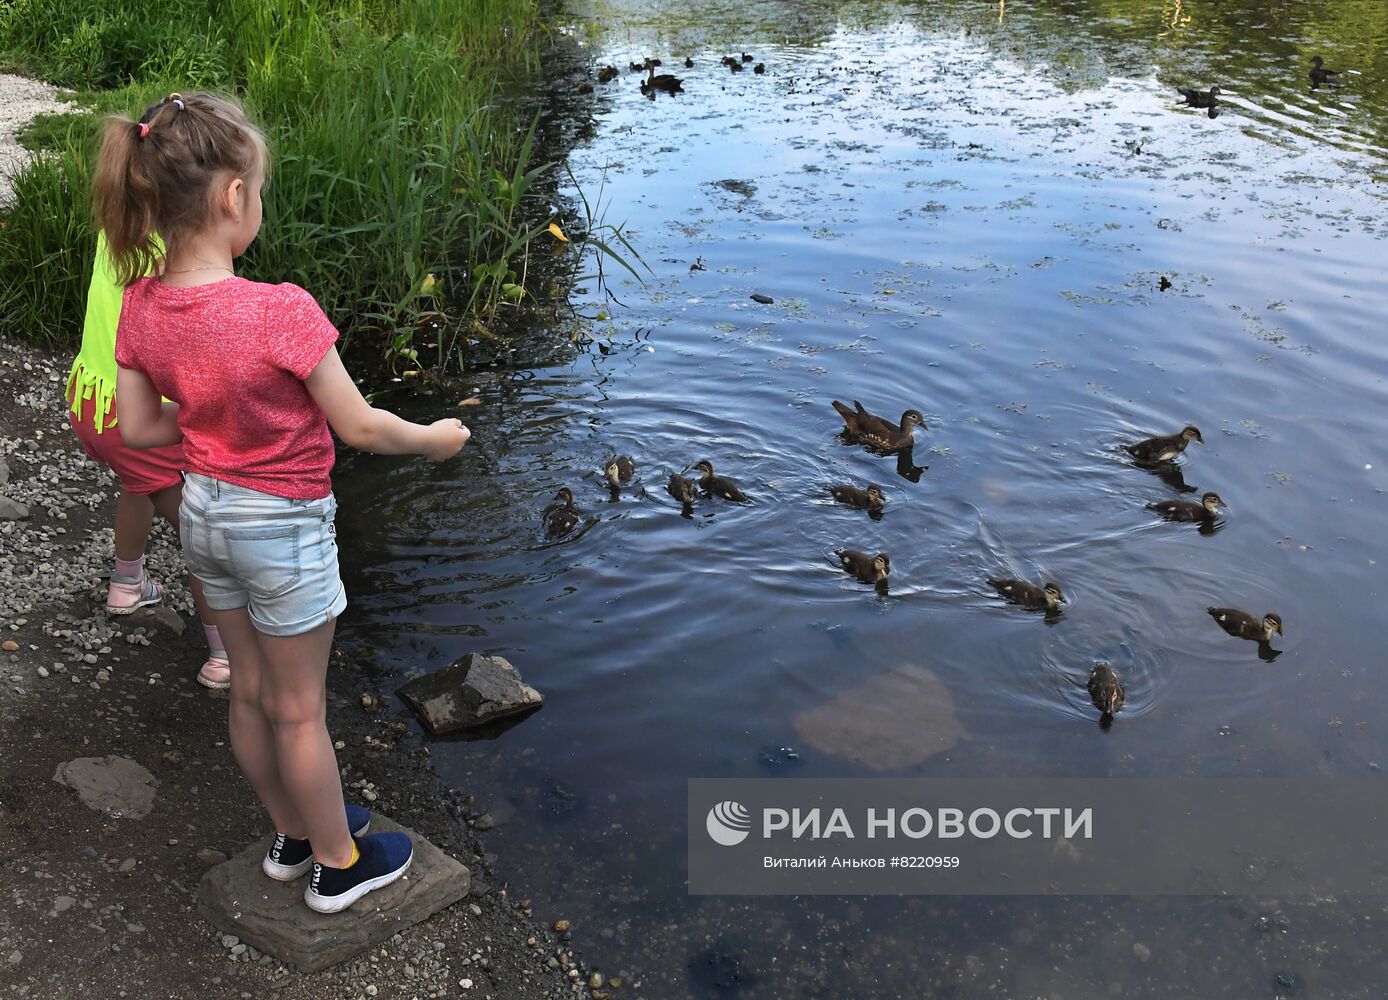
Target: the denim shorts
(275, 557)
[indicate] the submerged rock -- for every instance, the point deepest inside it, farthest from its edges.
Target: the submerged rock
(468, 693)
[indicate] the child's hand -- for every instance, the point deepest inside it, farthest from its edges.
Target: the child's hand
(446, 438)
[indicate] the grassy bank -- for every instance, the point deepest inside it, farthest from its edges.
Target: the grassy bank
(394, 160)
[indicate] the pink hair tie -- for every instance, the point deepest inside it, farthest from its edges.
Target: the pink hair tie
(144, 129)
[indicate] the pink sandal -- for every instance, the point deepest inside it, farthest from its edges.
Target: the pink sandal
(127, 598)
(215, 673)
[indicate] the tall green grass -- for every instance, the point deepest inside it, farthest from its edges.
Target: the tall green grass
(394, 159)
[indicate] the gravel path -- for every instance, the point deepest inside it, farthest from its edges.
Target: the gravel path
(20, 100)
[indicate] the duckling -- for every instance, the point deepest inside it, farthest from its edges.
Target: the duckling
(1183, 510)
(688, 63)
(666, 82)
(734, 65)
(719, 486)
(1200, 99)
(618, 471)
(1320, 76)
(865, 568)
(871, 498)
(728, 60)
(1106, 691)
(759, 69)
(561, 517)
(746, 58)
(1242, 625)
(860, 425)
(1046, 597)
(636, 67)
(681, 489)
(1164, 447)
(608, 73)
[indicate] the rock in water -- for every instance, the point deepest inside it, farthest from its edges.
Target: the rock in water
(468, 693)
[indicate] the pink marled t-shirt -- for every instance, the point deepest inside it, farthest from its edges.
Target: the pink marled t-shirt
(234, 355)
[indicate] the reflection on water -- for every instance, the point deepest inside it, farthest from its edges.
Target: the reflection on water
(1001, 215)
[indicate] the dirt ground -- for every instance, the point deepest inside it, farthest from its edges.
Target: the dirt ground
(97, 906)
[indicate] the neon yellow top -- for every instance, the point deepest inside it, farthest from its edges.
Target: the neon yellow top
(93, 375)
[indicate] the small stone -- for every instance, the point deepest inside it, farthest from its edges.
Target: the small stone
(1143, 953)
(16, 957)
(465, 983)
(11, 646)
(371, 989)
(552, 962)
(765, 300)
(88, 657)
(560, 926)
(476, 910)
(128, 865)
(238, 949)
(43, 671)
(368, 794)
(595, 981)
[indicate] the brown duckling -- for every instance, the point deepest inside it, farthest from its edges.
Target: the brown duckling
(682, 489)
(1183, 510)
(618, 471)
(719, 486)
(1320, 76)
(734, 66)
(1165, 447)
(561, 517)
(871, 498)
(1106, 691)
(746, 58)
(1046, 597)
(664, 82)
(1242, 625)
(865, 568)
(759, 69)
(688, 63)
(608, 73)
(1199, 98)
(860, 425)
(637, 67)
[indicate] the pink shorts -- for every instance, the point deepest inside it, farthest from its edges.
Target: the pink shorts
(140, 472)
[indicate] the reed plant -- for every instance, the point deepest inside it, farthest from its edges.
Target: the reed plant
(404, 187)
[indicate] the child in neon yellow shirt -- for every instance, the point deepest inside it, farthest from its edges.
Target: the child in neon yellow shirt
(151, 480)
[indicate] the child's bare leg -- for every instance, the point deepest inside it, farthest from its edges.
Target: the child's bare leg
(134, 516)
(166, 502)
(294, 699)
(252, 736)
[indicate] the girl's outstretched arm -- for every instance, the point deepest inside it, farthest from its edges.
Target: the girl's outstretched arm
(366, 428)
(145, 421)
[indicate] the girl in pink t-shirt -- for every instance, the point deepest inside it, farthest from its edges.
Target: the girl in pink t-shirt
(254, 383)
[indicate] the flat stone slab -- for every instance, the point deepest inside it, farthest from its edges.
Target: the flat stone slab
(470, 692)
(238, 898)
(893, 721)
(114, 785)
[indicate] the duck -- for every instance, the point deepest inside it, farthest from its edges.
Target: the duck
(561, 517)
(618, 471)
(636, 67)
(1242, 625)
(734, 65)
(864, 567)
(669, 84)
(719, 486)
(608, 73)
(759, 69)
(871, 498)
(1046, 597)
(682, 489)
(1200, 98)
(1320, 76)
(746, 58)
(860, 425)
(1184, 510)
(688, 63)
(728, 60)
(1165, 447)
(1106, 691)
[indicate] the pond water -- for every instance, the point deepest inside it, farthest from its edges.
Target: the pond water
(967, 208)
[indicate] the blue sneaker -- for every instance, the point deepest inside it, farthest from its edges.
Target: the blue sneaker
(383, 859)
(290, 858)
